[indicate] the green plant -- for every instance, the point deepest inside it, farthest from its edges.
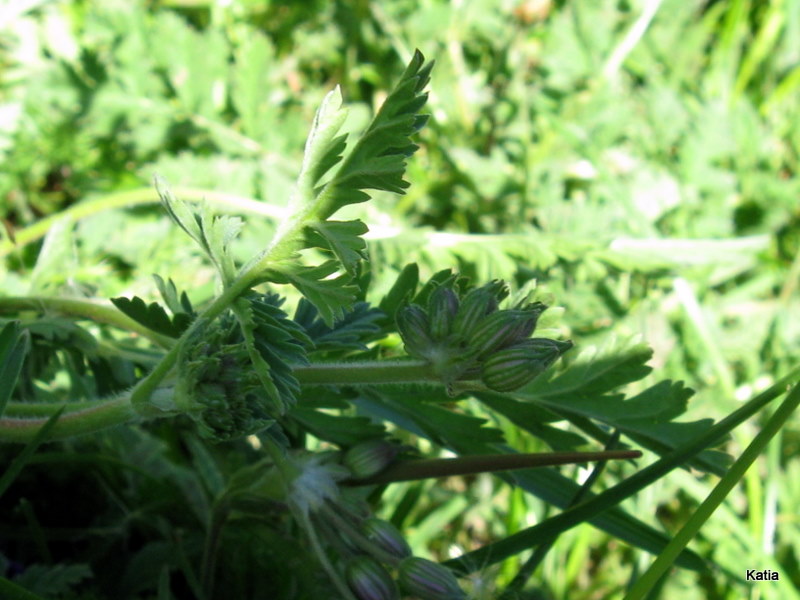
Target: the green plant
(246, 373)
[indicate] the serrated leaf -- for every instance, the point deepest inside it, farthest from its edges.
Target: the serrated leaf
(333, 297)
(254, 64)
(53, 580)
(323, 149)
(548, 484)
(337, 429)
(213, 233)
(351, 332)
(377, 161)
(599, 370)
(169, 293)
(343, 238)
(153, 316)
(274, 343)
(588, 389)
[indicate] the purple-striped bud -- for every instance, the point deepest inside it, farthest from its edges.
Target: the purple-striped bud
(533, 311)
(475, 306)
(368, 580)
(497, 330)
(370, 458)
(386, 535)
(442, 309)
(414, 328)
(428, 580)
(511, 368)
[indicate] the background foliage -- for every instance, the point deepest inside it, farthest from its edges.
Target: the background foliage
(637, 159)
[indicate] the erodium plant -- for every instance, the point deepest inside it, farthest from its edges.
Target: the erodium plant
(241, 367)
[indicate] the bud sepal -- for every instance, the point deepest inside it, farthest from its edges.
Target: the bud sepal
(386, 535)
(513, 367)
(428, 580)
(368, 580)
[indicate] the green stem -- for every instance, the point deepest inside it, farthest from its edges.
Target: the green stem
(487, 463)
(22, 419)
(703, 512)
(376, 372)
(84, 308)
(85, 420)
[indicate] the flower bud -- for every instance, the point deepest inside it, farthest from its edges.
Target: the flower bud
(414, 328)
(386, 535)
(368, 580)
(369, 458)
(476, 304)
(533, 311)
(501, 329)
(511, 368)
(428, 580)
(442, 308)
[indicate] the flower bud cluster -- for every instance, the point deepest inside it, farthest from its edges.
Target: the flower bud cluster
(472, 338)
(218, 387)
(377, 561)
(417, 577)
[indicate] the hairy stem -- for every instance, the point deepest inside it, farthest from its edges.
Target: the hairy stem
(376, 372)
(87, 419)
(23, 419)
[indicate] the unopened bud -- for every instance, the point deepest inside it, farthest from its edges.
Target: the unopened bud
(442, 309)
(386, 535)
(475, 306)
(511, 368)
(428, 580)
(368, 580)
(370, 458)
(501, 329)
(414, 328)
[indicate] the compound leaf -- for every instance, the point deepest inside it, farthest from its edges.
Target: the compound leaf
(213, 233)
(378, 160)
(343, 238)
(333, 297)
(153, 316)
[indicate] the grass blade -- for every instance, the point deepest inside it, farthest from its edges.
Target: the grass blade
(23, 457)
(13, 348)
(532, 536)
(703, 512)
(11, 591)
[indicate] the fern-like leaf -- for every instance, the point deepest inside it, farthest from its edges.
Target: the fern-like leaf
(153, 316)
(274, 342)
(343, 238)
(378, 160)
(333, 297)
(213, 233)
(347, 334)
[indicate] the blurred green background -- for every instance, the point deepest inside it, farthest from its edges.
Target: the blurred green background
(637, 159)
